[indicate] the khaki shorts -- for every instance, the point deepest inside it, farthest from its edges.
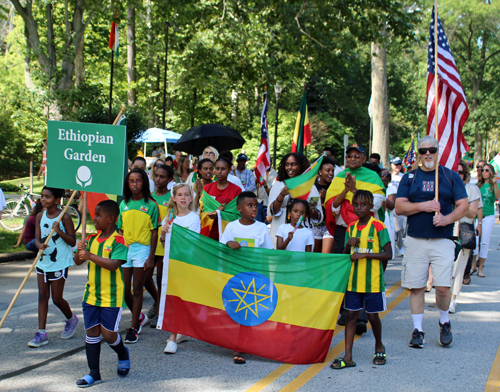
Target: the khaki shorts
(420, 253)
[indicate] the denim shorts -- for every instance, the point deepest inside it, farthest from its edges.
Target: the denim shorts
(137, 255)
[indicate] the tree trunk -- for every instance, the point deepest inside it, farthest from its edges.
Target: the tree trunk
(380, 102)
(80, 65)
(27, 63)
(234, 107)
(131, 53)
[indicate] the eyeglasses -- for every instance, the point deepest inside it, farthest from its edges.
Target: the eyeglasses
(385, 175)
(423, 150)
(479, 167)
(135, 181)
(209, 153)
(351, 156)
(485, 170)
(461, 172)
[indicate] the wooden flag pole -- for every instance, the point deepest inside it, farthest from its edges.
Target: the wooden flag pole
(119, 115)
(436, 96)
(36, 261)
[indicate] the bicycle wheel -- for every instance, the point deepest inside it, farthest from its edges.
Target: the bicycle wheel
(13, 215)
(75, 215)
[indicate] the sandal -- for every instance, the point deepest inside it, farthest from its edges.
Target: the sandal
(473, 272)
(466, 281)
(238, 358)
(481, 275)
(380, 358)
(339, 363)
(87, 381)
(124, 366)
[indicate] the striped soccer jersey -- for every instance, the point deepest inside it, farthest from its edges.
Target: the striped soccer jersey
(367, 275)
(105, 288)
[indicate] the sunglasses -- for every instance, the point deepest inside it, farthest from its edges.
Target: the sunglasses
(385, 175)
(461, 172)
(485, 170)
(350, 156)
(423, 150)
(159, 164)
(479, 167)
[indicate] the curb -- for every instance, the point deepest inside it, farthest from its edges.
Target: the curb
(16, 256)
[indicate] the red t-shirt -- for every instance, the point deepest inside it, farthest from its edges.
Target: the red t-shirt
(223, 196)
(29, 230)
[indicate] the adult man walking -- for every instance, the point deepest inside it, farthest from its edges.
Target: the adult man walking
(246, 177)
(428, 243)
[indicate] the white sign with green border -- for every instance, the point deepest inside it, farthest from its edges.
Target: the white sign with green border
(86, 157)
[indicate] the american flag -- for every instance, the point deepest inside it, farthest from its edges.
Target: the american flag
(264, 158)
(410, 155)
(453, 111)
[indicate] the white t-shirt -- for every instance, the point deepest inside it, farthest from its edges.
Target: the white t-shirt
(3, 204)
(236, 181)
(255, 235)
(301, 238)
(190, 221)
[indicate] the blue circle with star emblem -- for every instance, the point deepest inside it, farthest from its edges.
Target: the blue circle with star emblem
(250, 298)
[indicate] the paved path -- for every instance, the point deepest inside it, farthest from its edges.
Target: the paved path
(198, 366)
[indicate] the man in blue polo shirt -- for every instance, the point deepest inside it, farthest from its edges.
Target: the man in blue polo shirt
(428, 243)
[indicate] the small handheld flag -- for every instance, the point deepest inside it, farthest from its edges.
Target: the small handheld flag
(302, 134)
(410, 155)
(299, 222)
(300, 186)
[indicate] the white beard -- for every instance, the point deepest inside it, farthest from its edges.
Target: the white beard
(429, 164)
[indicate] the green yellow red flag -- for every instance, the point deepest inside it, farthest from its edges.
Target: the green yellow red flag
(302, 134)
(300, 186)
(207, 205)
(281, 305)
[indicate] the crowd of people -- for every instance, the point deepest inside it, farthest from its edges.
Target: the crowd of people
(364, 210)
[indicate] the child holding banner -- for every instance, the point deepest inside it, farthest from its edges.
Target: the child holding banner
(138, 223)
(294, 236)
(52, 267)
(104, 293)
(180, 206)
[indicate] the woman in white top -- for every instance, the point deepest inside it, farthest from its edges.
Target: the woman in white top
(292, 165)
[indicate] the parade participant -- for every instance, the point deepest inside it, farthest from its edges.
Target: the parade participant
(204, 176)
(152, 168)
(330, 152)
(28, 231)
(375, 158)
(103, 298)
(231, 176)
(218, 196)
(396, 166)
(428, 241)
(474, 199)
(489, 194)
(368, 242)
(390, 201)
(339, 212)
(479, 175)
(180, 212)
(208, 153)
(169, 161)
(183, 170)
(246, 232)
(52, 267)
(246, 176)
(164, 181)
(140, 163)
(323, 240)
(291, 165)
(177, 155)
(263, 189)
(294, 235)
(138, 223)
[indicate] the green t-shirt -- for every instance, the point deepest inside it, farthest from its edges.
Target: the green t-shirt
(488, 199)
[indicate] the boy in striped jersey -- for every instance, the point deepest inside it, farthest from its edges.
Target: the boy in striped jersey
(368, 242)
(105, 291)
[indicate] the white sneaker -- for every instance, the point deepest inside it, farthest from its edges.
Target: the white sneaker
(171, 348)
(181, 338)
(453, 306)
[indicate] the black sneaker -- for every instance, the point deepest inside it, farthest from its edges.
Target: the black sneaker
(341, 320)
(445, 335)
(132, 336)
(417, 339)
(360, 327)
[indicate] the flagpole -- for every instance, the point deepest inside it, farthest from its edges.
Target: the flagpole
(436, 96)
(111, 87)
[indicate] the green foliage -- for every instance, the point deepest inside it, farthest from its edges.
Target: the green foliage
(9, 188)
(13, 155)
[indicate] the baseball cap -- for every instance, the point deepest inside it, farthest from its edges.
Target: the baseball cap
(357, 147)
(396, 161)
(241, 157)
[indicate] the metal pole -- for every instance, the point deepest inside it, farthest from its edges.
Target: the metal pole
(111, 87)
(276, 131)
(371, 131)
(31, 176)
(165, 80)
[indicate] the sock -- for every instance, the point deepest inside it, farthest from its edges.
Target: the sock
(42, 331)
(119, 348)
(443, 316)
(72, 318)
(417, 321)
(93, 350)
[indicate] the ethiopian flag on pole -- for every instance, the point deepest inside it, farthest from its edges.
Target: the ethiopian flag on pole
(302, 134)
(276, 304)
(207, 205)
(301, 186)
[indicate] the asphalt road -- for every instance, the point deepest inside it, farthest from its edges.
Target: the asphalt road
(198, 366)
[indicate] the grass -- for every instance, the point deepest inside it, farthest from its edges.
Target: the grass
(37, 185)
(9, 238)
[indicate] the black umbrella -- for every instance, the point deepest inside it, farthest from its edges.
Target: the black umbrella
(196, 139)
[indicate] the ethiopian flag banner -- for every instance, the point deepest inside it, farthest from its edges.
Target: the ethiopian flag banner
(301, 186)
(302, 134)
(366, 179)
(276, 304)
(207, 205)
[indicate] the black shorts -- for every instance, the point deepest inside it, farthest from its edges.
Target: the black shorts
(54, 275)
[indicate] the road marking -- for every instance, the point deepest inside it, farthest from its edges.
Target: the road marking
(493, 383)
(273, 376)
